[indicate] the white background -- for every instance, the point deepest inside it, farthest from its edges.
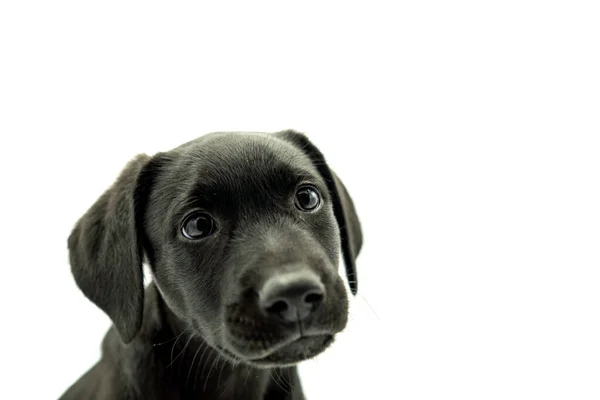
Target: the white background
(467, 133)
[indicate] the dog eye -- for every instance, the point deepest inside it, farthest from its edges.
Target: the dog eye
(197, 226)
(307, 198)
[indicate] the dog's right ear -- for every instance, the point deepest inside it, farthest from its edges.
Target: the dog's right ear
(105, 248)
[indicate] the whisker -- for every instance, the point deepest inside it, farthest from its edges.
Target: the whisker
(368, 304)
(247, 375)
(210, 370)
(275, 377)
(221, 371)
(175, 344)
(174, 338)
(276, 380)
(192, 366)
(285, 379)
(180, 353)
(200, 364)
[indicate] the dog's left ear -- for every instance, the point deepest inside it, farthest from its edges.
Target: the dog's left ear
(343, 207)
(105, 248)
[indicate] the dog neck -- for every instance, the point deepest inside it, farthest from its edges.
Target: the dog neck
(189, 368)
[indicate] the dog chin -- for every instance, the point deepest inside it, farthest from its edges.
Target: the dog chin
(287, 354)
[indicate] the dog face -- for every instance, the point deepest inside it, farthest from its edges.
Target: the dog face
(242, 232)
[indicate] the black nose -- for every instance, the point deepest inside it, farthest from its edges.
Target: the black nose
(291, 296)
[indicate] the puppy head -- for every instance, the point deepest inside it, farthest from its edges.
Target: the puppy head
(242, 233)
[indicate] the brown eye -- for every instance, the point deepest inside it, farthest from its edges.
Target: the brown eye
(198, 226)
(308, 198)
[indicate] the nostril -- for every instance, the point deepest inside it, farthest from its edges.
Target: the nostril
(313, 298)
(278, 307)
(291, 297)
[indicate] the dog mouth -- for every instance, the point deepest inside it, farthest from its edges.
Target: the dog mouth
(251, 337)
(301, 349)
(290, 352)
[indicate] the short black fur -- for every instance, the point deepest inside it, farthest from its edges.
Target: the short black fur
(209, 326)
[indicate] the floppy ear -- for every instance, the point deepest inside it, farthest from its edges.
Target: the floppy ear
(105, 250)
(343, 207)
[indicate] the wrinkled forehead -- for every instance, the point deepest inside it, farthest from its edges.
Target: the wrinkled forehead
(243, 163)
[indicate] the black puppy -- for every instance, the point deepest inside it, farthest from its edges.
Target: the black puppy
(242, 233)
